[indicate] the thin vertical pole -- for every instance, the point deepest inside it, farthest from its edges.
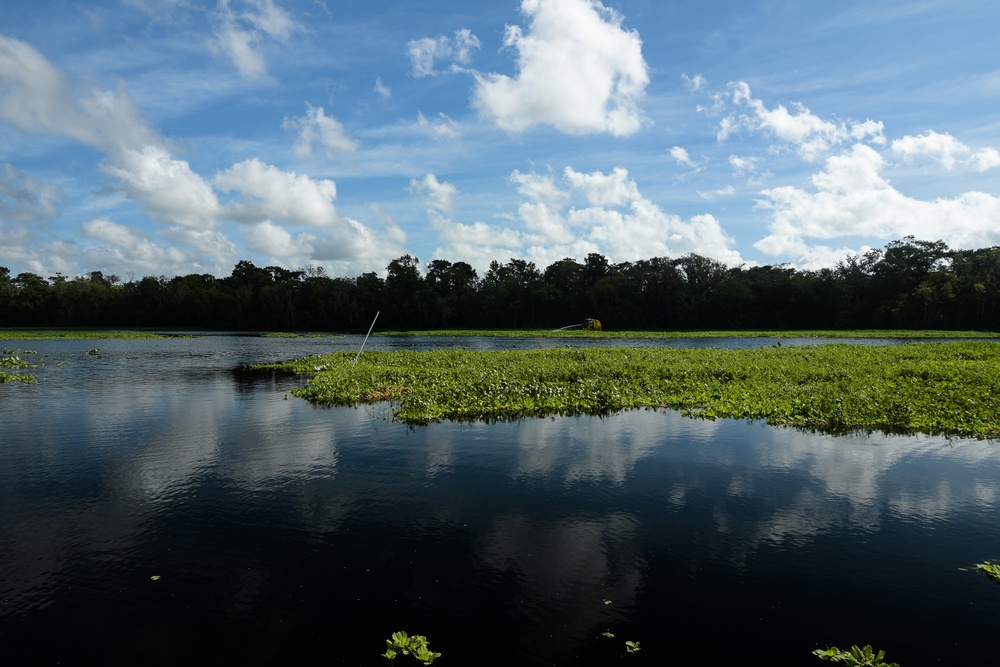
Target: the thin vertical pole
(366, 339)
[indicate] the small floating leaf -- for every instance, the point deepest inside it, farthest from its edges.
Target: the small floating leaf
(632, 647)
(607, 633)
(155, 577)
(607, 601)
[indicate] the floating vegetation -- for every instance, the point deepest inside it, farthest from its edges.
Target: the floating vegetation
(16, 377)
(991, 569)
(402, 644)
(903, 334)
(71, 334)
(632, 647)
(94, 352)
(10, 359)
(859, 657)
(950, 388)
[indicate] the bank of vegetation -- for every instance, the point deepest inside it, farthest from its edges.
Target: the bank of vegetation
(948, 388)
(909, 284)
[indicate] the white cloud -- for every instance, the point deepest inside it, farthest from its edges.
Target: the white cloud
(540, 188)
(711, 195)
(316, 126)
(600, 189)
(130, 249)
(383, 90)
(682, 157)
(811, 136)
(239, 34)
(579, 71)
(426, 52)
(437, 195)
(167, 187)
(944, 149)
(615, 219)
(269, 192)
(851, 198)
(36, 97)
(441, 128)
(22, 198)
(743, 165)
(277, 243)
(695, 83)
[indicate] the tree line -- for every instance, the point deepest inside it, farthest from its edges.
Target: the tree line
(908, 284)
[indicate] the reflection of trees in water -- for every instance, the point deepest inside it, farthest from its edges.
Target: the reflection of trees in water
(564, 567)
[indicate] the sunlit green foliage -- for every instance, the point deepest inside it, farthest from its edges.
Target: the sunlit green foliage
(581, 333)
(947, 388)
(10, 359)
(991, 569)
(402, 644)
(857, 657)
(16, 377)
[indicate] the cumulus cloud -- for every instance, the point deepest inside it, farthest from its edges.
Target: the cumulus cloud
(578, 70)
(594, 212)
(851, 198)
(167, 187)
(130, 249)
(438, 196)
(811, 136)
(268, 192)
(317, 127)
(540, 188)
(241, 32)
(944, 149)
(427, 52)
(384, 91)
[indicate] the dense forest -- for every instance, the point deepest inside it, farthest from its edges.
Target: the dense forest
(909, 284)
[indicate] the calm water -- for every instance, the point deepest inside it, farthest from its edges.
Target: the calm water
(287, 534)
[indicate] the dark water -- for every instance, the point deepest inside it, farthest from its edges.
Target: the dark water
(287, 534)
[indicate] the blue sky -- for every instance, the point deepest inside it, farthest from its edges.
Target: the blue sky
(168, 137)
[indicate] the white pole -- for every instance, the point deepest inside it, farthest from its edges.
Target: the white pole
(366, 339)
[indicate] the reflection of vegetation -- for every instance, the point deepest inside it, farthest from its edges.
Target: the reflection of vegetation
(402, 644)
(991, 569)
(949, 388)
(859, 657)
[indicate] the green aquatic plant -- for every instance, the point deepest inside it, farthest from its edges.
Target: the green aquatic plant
(950, 388)
(94, 352)
(14, 361)
(856, 657)
(904, 334)
(16, 377)
(991, 569)
(632, 647)
(77, 334)
(402, 644)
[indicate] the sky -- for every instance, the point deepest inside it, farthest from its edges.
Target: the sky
(171, 137)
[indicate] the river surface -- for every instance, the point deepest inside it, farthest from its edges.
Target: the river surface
(158, 506)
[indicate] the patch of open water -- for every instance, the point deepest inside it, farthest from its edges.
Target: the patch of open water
(281, 532)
